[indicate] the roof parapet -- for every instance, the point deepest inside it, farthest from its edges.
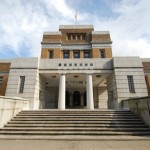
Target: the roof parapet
(52, 33)
(76, 27)
(100, 32)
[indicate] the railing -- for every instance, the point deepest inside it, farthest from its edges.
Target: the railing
(140, 106)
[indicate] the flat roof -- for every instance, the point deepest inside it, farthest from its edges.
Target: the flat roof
(76, 27)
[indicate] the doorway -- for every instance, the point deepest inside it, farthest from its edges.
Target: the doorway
(76, 98)
(85, 103)
(67, 98)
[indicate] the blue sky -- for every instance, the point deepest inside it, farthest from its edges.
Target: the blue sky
(22, 23)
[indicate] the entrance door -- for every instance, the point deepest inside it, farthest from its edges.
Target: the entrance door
(67, 98)
(76, 98)
(85, 99)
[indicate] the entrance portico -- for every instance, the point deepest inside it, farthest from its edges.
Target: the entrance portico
(76, 94)
(72, 90)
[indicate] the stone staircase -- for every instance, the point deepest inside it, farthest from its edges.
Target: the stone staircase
(74, 123)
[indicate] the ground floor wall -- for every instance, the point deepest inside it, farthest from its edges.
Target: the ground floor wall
(75, 97)
(147, 77)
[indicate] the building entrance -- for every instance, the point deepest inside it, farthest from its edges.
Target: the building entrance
(76, 98)
(67, 99)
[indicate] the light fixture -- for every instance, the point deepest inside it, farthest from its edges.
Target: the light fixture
(53, 76)
(98, 76)
(76, 76)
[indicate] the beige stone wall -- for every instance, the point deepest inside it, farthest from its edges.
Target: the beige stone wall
(96, 52)
(4, 85)
(4, 67)
(45, 53)
(101, 38)
(88, 39)
(51, 39)
(147, 77)
(146, 67)
(10, 106)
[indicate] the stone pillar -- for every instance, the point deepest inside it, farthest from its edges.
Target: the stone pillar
(89, 92)
(62, 92)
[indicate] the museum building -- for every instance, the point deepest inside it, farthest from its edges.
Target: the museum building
(76, 71)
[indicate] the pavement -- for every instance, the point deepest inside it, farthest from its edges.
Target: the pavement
(74, 144)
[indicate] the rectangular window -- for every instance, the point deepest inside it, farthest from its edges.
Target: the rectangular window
(21, 86)
(76, 55)
(86, 55)
(74, 37)
(78, 37)
(66, 54)
(51, 54)
(83, 37)
(69, 37)
(1, 81)
(102, 54)
(131, 84)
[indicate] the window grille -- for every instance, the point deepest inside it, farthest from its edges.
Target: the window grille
(21, 86)
(131, 84)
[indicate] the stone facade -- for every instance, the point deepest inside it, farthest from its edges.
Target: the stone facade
(4, 71)
(76, 70)
(82, 40)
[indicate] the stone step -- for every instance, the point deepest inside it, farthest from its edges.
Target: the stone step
(75, 122)
(56, 123)
(96, 133)
(76, 119)
(78, 125)
(62, 116)
(75, 129)
(75, 112)
(74, 115)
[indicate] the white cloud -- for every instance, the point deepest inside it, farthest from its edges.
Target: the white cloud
(23, 22)
(130, 30)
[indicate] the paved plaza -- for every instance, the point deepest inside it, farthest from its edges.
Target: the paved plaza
(74, 145)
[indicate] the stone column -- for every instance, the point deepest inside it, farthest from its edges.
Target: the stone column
(62, 92)
(89, 92)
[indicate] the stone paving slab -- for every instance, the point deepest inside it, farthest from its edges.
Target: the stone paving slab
(71, 137)
(73, 145)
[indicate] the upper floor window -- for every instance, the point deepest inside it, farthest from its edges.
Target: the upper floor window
(51, 54)
(76, 55)
(86, 55)
(83, 37)
(21, 85)
(1, 81)
(74, 37)
(69, 37)
(102, 54)
(131, 84)
(79, 37)
(66, 54)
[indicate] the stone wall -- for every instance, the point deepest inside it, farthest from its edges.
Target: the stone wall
(10, 106)
(129, 66)
(4, 72)
(27, 67)
(140, 106)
